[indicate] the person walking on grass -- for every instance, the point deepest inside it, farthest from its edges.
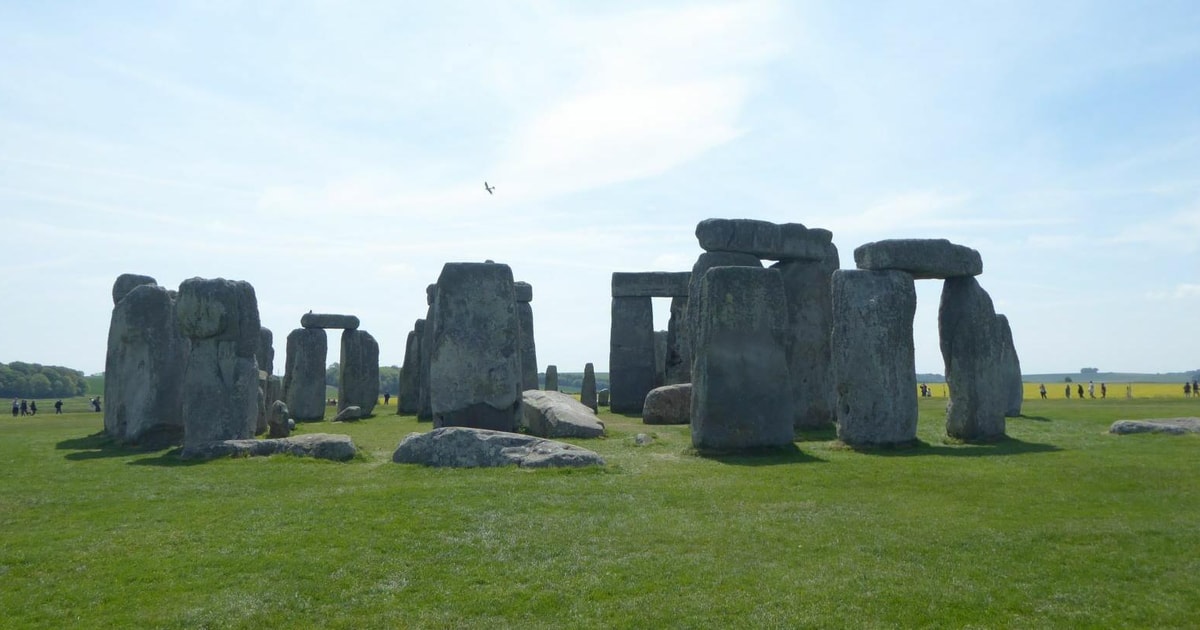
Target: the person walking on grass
(24, 407)
(33, 407)
(57, 407)
(1103, 390)
(1091, 389)
(16, 407)
(1081, 391)
(1068, 391)
(1042, 390)
(1187, 389)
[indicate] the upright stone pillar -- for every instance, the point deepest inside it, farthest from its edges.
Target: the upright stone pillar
(975, 368)
(678, 361)
(704, 262)
(631, 353)
(220, 393)
(409, 396)
(874, 369)
(551, 378)
(304, 374)
(475, 363)
(807, 285)
(740, 393)
(1014, 387)
(144, 365)
(425, 401)
(660, 357)
(358, 378)
(587, 393)
(264, 356)
(529, 366)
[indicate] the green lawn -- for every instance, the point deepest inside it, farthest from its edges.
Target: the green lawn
(1060, 526)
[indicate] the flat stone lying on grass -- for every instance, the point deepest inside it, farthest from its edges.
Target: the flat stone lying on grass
(319, 445)
(464, 447)
(555, 414)
(349, 414)
(1173, 426)
(669, 404)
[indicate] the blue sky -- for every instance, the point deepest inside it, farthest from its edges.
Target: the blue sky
(333, 155)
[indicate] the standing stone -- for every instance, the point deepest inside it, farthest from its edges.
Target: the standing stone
(975, 370)
(1012, 369)
(358, 378)
(874, 368)
(631, 353)
(277, 420)
(144, 366)
(740, 392)
(126, 283)
(660, 357)
(807, 286)
(704, 262)
(475, 365)
(602, 397)
(273, 391)
(425, 401)
(304, 373)
(529, 369)
(551, 378)
(587, 392)
(264, 354)
(678, 363)
(409, 396)
(220, 393)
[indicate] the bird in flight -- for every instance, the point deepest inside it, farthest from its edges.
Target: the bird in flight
(488, 188)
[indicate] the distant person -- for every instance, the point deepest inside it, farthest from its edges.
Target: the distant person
(1091, 389)
(33, 407)
(1081, 391)
(386, 397)
(1042, 390)
(1068, 392)
(1129, 390)
(24, 407)
(57, 407)
(1187, 390)
(16, 407)
(1195, 388)
(1103, 390)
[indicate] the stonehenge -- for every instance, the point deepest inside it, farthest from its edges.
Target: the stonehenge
(523, 292)
(632, 362)
(551, 378)
(358, 378)
(973, 349)
(304, 373)
(409, 396)
(1013, 386)
(587, 392)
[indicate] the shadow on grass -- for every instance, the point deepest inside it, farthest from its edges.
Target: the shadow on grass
(1025, 417)
(168, 459)
(825, 434)
(100, 446)
(1003, 446)
(774, 456)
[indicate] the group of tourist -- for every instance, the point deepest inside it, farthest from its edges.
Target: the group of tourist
(23, 407)
(1191, 389)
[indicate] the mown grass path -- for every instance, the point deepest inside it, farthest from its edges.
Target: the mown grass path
(1060, 526)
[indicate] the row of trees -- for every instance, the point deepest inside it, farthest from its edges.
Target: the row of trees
(389, 377)
(33, 380)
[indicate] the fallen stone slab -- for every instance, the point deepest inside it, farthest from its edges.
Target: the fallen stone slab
(924, 258)
(669, 404)
(319, 445)
(349, 414)
(766, 240)
(552, 414)
(465, 447)
(329, 320)
(1172, 426)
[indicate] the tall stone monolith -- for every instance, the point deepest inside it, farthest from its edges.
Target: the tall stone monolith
(1014, 386)
(587, 392)
(972, 348)
(551, 378)
(475, 363)
(409, 396)
(704, 262)
(220, 392)
(425, 401)
(807, 286)
(144, 365)
(529, 366)
(304, 374)
(740, 393)
(874, 369)
(358, 378)
(678, 363)
(631, 371)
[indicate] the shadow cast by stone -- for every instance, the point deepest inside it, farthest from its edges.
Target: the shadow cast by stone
(1035, 418)
(1002, 446)
(827, 434)
(100, 446)
(168, 459)
(765, 456)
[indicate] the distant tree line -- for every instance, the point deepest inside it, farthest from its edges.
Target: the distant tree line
(389, 377)
(33, 380)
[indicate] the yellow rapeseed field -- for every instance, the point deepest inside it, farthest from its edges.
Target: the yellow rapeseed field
(1056, 390)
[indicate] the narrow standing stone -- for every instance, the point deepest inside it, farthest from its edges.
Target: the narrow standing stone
(631, 353)
(304, 374)
(587, 393)
(410, 373)
(358, 378)
(1012, 369)
(807, 285)
(551, 378)
(975, 371)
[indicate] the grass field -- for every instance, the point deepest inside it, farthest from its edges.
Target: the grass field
(1060, 526)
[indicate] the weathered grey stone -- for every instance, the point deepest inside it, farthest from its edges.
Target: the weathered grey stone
(762, 239)
(551, 414)
(704, 262)
(475, 367)
(669, 404)
(273, 390)
(660, 357)
(349, 414)
(1013, 386)
(924, 258)
(264, 353)
(319, 445)
(522, 291)
(808, 289)
(329, 320)
(463, 447)
(678, 363)
(358, 376)
(650, 284)
(874, 369)
(528, 347)
(143, 369)
(431, 294)
(409, 397)
(425, 400)
(1172, 426)
(220, 391)
(740, 392)
(642, 439)
(602, 397)
(277, 420)
(631, 353)
(260, 417)
(587, 391)
(975, 370)
(127, 282)
(304, 373)
(551, 378)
